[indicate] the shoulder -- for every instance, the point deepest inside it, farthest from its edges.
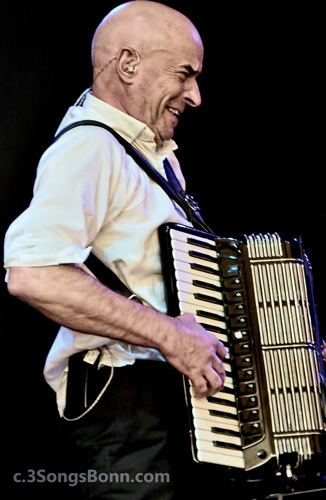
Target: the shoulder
(83, 147)
(89, 135)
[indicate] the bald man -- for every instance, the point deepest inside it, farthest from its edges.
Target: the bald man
(116, 364)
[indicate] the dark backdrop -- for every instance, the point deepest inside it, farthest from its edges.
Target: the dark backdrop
(252, 153)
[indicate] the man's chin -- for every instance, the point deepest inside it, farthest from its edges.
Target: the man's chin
(161, 138)
(168, 135)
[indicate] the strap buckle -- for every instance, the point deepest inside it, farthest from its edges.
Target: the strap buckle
(191, 201)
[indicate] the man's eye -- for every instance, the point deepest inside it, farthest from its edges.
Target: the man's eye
(183, 76)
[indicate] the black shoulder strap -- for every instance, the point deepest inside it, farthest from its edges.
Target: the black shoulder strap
(174, 190)
(106, 276)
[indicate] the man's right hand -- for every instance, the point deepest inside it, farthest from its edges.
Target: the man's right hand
(198, 354)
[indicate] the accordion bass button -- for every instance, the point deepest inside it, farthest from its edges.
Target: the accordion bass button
(249, 415)
(251, 428)
(244, 361)
(232, 283)
(248, 402)
(242, 348)
(245, 375)
(247, 388)
(240, 335)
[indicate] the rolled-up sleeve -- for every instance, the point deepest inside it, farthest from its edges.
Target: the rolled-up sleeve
(69, 204)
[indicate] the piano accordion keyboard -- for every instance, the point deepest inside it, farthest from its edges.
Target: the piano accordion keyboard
(198, 285)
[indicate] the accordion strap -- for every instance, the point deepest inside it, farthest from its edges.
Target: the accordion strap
(108, 277)
(172, 188)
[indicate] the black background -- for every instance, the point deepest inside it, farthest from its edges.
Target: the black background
(252, 154)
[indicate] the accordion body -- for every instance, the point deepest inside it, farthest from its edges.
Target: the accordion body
(256, 296)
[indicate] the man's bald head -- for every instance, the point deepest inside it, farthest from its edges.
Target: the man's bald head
(146, 58)
(142, 24)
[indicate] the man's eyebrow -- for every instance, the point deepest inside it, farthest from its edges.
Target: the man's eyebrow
(190, 70)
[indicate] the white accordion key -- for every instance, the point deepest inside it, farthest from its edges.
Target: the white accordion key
(188, 247)
(192, 289)
(210, 436)
(189, 277)
(201, 304)
(184, 257)
(185, 266)
(187, 307)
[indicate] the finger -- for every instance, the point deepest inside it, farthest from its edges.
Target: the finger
(214, 382)
(199, 386)
(221, 350)
(188, 317)
(218, 367)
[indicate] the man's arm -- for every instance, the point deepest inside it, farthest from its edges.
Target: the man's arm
(71, 297)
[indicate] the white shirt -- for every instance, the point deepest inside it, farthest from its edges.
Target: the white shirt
(90, 196)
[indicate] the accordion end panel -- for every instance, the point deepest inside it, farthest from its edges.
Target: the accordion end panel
(286, 340)
(256, 296)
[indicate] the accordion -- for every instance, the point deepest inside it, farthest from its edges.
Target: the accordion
(256, 296)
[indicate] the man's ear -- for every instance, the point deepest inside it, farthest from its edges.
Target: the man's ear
(127, 61)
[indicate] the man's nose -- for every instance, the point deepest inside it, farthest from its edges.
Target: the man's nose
(192, 94)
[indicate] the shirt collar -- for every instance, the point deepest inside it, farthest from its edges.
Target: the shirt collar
(137, 133)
